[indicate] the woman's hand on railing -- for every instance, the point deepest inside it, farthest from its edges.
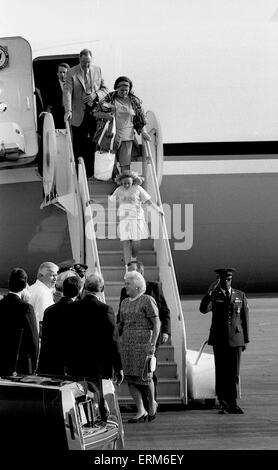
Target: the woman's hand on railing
(146, 136)
(68, 116)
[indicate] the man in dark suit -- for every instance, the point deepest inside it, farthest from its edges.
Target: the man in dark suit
(228, 336)
(54, 325)
(18, 329)
(83, 89)
(92, 336)
(54, 96)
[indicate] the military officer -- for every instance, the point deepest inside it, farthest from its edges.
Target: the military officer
(228, 336)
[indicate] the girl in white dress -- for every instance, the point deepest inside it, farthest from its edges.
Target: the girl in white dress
(132, 224)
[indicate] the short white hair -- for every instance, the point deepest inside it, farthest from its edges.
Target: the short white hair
(94, 282)
(47, 266)
(137, 279)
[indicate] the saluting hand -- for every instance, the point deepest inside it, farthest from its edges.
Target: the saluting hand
(213, 286)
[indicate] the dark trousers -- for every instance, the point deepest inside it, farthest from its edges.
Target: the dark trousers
(82, 141)
(227, 365)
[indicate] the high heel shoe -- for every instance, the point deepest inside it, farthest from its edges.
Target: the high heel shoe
(143, 418)
(152, 417)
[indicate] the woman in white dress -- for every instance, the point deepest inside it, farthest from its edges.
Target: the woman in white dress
(132, 224)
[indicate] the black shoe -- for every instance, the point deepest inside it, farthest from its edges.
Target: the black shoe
(223, 408)
(152, 417)
(235, 410)
(143, 418)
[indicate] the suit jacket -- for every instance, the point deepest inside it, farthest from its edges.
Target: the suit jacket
(54, 101)
(52, 353)
(18, 336)
(154, 289)
(92, 340)
(74, 90)
(229, 324)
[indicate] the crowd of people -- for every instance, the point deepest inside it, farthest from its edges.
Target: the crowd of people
(59, 326)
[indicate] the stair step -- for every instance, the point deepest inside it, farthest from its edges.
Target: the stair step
(101, 187)
(165, 353)
(115, 245)
(108, 258)
(161, 400)
(165, 387)
(116, 273)
(166, 370)
(113, 289)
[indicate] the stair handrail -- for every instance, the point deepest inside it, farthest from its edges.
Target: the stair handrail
(90, 241)
(149, 161)
(81, 248)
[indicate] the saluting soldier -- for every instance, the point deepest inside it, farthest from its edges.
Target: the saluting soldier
(228, 336)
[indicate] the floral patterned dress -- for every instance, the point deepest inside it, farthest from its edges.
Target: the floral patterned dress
(136, 327)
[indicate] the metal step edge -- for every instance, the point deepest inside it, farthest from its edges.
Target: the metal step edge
(144, 252)
(163, 400)
(116, 268)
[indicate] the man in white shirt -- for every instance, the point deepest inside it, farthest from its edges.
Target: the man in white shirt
(42, 290)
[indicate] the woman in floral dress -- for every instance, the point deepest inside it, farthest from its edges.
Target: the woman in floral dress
(139, 329)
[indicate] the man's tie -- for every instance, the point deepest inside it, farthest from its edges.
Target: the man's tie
(87, 82)
(227, 294)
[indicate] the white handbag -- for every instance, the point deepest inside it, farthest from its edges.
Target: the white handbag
(104, 161)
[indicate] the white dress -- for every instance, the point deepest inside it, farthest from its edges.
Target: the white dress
(132, 224)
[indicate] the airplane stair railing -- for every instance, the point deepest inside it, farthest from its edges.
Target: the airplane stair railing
(69, 193)
(91, 251)
(166, 270)
(60, 182)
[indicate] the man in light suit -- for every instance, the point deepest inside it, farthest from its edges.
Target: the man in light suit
(83, 89)
(92, 348)
(19, 341)
(54, 96)
(229, 334)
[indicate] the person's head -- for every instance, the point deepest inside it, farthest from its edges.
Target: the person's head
(136, 266)
(66, 265)
(134, 283)
(85, 59)
(18, 280)
(72, 286)
(61, 278)
(123, 86)
(47, 273)
(127, 178)
(94, 283)
(225, 276)
(62, 70)
(80, 269)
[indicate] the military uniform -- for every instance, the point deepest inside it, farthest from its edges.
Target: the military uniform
(228, 336)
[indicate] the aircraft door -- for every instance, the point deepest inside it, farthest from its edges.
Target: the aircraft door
(18, 128)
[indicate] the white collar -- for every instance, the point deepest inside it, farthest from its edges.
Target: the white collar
(229, 290)
(42, 284)
(15, 293)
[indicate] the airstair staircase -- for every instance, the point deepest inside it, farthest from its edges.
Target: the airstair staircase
(92, 227)
(112, 267)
